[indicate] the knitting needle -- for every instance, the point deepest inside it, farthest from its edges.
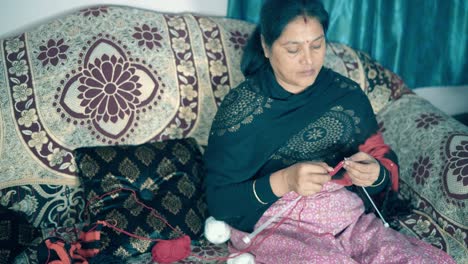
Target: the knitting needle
(367, 194)
(375, 207)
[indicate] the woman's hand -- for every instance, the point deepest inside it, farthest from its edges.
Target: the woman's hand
(362, 168)
(305, 178)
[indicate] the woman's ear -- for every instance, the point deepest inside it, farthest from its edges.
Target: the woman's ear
(266, 50)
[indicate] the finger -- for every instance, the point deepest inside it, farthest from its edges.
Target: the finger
(359, 180)
(319, 178)
(325, 166)
(361, 156)
(321, 164)
(311, 189)
(361, 177)
(360, 166)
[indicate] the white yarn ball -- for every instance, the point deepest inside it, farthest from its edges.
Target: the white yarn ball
(244, 258)
(217, 232)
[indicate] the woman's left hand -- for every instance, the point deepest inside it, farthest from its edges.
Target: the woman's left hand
(362, 168)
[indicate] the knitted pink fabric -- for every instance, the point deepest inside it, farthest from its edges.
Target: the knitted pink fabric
(334, 229)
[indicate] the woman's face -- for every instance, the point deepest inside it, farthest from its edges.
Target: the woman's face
(298, 54)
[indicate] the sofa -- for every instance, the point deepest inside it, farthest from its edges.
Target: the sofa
(109, 108)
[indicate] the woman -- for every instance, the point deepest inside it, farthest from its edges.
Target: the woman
(278, 134)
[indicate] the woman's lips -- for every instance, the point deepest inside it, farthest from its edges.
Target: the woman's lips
(308, 72)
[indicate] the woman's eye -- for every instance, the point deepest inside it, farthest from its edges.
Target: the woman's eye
(317, 47)
(292, 51)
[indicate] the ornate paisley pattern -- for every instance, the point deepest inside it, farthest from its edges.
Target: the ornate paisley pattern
(240, 108)
(334, 130)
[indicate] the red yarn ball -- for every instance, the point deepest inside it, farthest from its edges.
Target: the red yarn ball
(168, 251)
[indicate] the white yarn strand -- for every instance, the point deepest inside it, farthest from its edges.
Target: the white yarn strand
(248, 238)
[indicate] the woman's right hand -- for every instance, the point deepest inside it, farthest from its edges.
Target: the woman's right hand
(304, 178)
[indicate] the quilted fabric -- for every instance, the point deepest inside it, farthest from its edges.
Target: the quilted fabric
(166, 176)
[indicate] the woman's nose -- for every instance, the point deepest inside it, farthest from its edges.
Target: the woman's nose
(307, 57)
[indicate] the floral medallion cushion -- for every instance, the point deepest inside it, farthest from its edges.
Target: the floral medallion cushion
(166, 176)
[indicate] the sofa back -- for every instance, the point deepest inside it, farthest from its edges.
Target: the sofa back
(119, 75)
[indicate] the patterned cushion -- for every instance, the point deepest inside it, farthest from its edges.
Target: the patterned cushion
(166, 176)
(433, 155)
(46, 206)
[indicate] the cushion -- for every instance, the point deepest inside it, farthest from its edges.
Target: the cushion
(165, 175)
(432, 149)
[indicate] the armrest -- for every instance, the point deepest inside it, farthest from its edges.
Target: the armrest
(432, 149)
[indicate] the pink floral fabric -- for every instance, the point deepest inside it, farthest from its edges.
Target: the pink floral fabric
(331, 227)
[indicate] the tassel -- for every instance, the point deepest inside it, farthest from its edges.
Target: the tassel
(168, 251)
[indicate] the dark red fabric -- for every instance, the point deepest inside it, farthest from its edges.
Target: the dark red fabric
(168, 251)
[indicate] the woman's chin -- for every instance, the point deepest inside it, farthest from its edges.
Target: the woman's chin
(308, 81)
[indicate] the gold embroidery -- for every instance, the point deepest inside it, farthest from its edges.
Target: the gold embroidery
(118, 218)
(89, 166)
(96, 206)
(193, 221)
(129, 170)
(181, 152)
(110, 183)
(145, 155)
(334, 129)
(139, 244)
(165, 167)
(107, 154)
(122, 252)
(186, 187)
(133, 207)
(160, 145)
(201, 206)
(156, 223)
(172, 203)
(150, 185)
(105, 241)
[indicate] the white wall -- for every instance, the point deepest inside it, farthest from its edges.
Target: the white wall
(452, 100)
(17, 16)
